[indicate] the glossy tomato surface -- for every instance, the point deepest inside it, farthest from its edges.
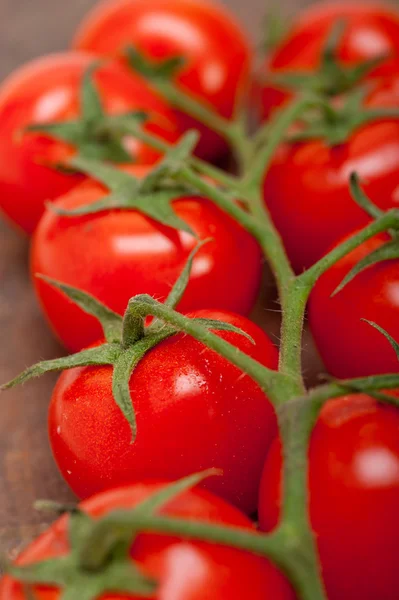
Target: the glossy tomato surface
(215, 49)
(354, 494)
(117, 254)
(307, 187)
(185, 570)
(371, 30)
(348, 346)
(48, 90)
(194, 410)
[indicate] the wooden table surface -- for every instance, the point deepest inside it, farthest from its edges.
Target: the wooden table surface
(30, 28)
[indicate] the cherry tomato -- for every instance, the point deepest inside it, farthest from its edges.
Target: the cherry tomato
(117, 254)
(184, 569)
(312, 207)
(194, 410)
(371, 30)
(348, 346)
(354, 494)
(48, 90)
(216, 50)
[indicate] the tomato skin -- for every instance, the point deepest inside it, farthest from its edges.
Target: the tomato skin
(371, 30)
(348, 346)
(354, 494)
(213, 572)
(46, 90)
(307, 186)
(216, 50)
(116, 254)
(192, 407)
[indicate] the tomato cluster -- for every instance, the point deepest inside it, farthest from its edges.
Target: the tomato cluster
(90, 154)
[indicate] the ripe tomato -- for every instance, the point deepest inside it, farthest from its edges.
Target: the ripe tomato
(194, 410)
(354, 494)
(117, 254)
(185, 569)
(48, 90)
(215, 49)
(348, 346)
(312, 207)
(371, 30)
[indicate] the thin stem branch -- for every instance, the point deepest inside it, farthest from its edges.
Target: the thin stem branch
(224, 201)
(263, 545)
(269, 240)
(321, 394)
(270, 381)
(276, 130)
(199, 110)
(162, 146)
(386, 221)
(232, 130)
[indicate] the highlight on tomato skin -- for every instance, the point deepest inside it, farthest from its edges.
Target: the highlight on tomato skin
(370, 30)
(48, 89)
(184, 569)
(194, 410)
(215, 48)
(354, 494)
(349, 346)
(117, 254)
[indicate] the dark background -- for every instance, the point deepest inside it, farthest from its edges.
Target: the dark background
(29, 28)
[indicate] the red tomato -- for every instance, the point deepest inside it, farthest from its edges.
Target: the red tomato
(312, 207)
(215, 48)
(350, 347)
(117, 254)
(194, 410)
(354, 495)
(371, 30)
(48, 90)
(185, 570)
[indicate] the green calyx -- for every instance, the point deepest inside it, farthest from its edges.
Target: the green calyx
(332, 78)
(127, 339)
(154, 70)
(98, 561)
(340, 108)
(95, 134)
(152, 195)
(336, 124)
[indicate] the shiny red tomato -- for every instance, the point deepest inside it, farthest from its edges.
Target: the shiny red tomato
(371, 30)
(348, 346)
(185, 570)
(216, 50)
(117, 254)
(194, 410)
(48, 90)
(354, 495)
(307, 187)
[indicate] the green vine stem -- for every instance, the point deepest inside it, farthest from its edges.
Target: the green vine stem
(275, 133)
(268, 545)
(388, 220)
(295, 424)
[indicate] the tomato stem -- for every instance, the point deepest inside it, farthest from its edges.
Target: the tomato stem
(132, 330)
(275, 133)
(388, 220)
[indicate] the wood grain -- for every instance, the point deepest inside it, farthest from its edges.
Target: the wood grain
(27, 472)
